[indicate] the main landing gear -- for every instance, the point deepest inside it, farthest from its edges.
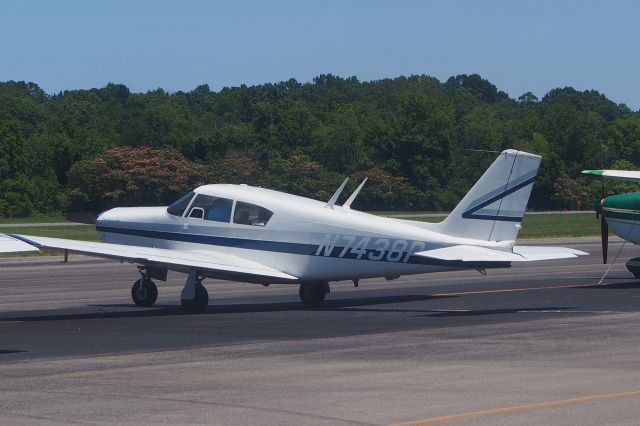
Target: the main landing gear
(194, 296)
(633, 265)
(313, 294)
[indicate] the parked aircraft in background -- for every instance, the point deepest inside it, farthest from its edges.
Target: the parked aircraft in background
(249, 234)
(621, 212)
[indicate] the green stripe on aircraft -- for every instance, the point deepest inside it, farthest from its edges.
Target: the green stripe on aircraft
(593, 172)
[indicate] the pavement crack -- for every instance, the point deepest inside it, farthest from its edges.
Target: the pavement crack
(195, 402)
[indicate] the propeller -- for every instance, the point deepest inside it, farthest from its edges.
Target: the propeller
(604, 230)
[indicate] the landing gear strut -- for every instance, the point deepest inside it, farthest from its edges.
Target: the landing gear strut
(194, 297)
(313, 294)
(144, 292)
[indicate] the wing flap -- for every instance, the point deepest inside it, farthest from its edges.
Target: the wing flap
(467, 253)
(13, 245)
(206, 260)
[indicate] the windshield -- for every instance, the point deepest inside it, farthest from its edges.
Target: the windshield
(177, 208)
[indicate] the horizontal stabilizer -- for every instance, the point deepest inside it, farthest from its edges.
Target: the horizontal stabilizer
(531, 253)
(176, 260)
(628, 175)
(12, 245)
(466, 253)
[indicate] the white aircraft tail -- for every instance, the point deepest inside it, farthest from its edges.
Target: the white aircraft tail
(493, 209)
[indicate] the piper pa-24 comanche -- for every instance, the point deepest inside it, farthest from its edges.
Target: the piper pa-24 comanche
(256, 235)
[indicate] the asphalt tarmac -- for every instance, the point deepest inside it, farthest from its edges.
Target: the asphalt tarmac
(539, 343)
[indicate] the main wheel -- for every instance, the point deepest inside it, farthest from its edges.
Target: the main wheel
(199, 303)
(633, 265)
(313, 294)
(145, 294)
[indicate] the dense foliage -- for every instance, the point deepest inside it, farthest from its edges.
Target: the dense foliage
(419, 141)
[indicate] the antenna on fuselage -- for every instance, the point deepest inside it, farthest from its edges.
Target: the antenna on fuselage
(347, 204)
(334, 198)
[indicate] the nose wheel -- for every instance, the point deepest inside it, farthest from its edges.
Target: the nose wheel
(313, 294)
(144, 292)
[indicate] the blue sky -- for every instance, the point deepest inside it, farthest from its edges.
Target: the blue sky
(519, 46)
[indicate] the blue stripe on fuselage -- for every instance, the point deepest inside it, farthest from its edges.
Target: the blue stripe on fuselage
(275, 246)
(288, 247)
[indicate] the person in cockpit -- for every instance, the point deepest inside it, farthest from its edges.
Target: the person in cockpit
(220, 210)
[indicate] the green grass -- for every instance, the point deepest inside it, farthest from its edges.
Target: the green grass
(550, 225)
(559, 225)
(79, 232)
(37, 219)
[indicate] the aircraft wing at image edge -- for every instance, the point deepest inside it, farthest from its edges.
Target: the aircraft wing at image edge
(9, 244)
(627, 175)
(209, 260)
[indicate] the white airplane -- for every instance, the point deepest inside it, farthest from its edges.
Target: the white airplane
(249, 234)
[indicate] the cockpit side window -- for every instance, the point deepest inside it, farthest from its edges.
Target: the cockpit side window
(211, 208)
(250, 214)
(177, 208)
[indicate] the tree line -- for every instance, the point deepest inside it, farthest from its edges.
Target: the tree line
(421, 142)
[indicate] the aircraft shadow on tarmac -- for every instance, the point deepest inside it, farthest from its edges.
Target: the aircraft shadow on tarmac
(170, 310)
(10, 351)
(613, 286)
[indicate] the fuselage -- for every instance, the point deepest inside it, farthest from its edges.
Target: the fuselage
(296, 235)
(622, 213)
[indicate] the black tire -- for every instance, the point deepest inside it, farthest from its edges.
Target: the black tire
(312, 294)
(146, 295)
(199, 303)
(636, 274)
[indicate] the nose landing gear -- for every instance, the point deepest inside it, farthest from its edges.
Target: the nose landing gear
(144, 292)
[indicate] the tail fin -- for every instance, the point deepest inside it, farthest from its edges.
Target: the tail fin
(493, 209)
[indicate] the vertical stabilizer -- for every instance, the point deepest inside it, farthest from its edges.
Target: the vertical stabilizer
(493, 209)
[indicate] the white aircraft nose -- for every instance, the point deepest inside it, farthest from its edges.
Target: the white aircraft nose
(106, 216)
(138, 215)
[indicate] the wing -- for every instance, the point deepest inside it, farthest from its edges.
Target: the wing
(628, 175)
(475, 254)
(210, 261)
(9, 244)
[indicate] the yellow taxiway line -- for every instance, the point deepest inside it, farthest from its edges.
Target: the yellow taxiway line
(516, 408)
(509, 290)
